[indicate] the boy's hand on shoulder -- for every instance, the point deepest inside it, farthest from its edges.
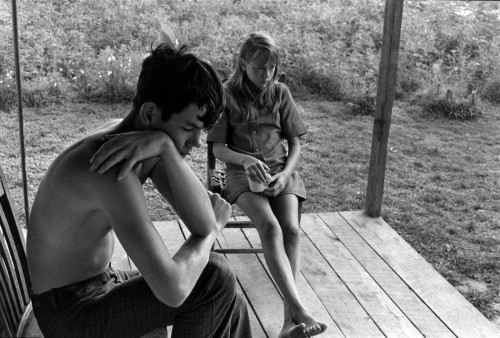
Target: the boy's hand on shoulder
(130, 148)
(222, 210)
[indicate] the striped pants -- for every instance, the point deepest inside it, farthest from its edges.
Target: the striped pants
(120, 304)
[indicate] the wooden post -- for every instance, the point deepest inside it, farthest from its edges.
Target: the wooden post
(385, 96)
(15, 35)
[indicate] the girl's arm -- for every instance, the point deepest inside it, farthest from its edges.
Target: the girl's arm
(293, 158)
(254, 168)
(281, 179)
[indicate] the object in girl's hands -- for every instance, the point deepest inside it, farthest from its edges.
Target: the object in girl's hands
(259, 186)
(256, 186)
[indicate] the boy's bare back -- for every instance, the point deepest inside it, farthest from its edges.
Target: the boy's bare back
(70, 238)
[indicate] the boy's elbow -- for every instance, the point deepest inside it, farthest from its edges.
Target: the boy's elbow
(203, 231)
(174, 289)
(174, 297)
(174, 302)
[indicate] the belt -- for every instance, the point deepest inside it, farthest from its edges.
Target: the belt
(68, 294)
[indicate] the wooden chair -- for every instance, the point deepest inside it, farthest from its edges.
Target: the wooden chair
(216, 179)
(16, 315)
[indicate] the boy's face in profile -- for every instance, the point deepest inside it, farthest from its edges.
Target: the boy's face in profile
(184, 128)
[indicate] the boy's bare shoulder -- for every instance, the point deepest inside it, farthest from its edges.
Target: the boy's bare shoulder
(71, 168)
(77, 156)
(77, 159)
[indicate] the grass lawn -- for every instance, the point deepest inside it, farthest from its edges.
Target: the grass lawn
(442, 185)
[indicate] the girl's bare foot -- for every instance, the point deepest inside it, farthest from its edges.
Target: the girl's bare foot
(315, 329)
(303, 330)
(312, 327)
(293, 331)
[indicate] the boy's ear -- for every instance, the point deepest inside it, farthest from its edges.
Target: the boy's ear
(243, 64)
(149, 113)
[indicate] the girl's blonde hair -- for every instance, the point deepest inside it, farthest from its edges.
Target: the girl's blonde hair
(255, 45)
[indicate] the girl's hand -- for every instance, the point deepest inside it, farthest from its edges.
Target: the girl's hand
(276, 184)
(129, 147)
(256, 170)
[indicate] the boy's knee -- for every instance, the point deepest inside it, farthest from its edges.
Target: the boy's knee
(240, 310)
(239, 303)
(222, 272)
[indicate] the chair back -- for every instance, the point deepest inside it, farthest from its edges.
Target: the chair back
(14, 278)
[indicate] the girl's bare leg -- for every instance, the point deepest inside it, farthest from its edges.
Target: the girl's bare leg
(298, 322)
(286, 210)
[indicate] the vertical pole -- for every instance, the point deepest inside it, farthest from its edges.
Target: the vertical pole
(385, 96)
(20, 109)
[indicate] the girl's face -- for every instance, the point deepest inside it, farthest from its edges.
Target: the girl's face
(260, 70)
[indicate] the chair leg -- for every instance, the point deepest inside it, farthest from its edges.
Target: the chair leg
(245, 225)
(300, 212)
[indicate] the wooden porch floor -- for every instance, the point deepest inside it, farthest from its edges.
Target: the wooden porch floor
(357, 275)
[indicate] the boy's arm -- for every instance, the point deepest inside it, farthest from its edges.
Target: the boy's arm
(130, 148)
(173, 176)
(171, 278)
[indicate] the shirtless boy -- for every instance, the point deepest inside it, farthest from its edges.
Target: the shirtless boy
(76, 292)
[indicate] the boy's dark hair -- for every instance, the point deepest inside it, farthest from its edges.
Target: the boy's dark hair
(173, 78)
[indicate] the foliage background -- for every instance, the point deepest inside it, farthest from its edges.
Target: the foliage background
(327, 50)
(80, 61)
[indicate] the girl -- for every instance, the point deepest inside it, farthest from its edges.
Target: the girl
(249, 137)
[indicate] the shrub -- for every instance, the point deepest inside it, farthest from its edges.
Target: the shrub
(44, 90)
(481, 301)
(112, 79)
(407, 85)
(465, 110)
(36, 93)
(362, 105)
(491, 91)
(327, 50)
(8, 92)
(317, 82)
(412, 73)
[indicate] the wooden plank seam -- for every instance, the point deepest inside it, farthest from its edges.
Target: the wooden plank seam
(388, 266)
(401, 278)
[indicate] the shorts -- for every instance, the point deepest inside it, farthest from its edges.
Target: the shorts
(237, 183)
